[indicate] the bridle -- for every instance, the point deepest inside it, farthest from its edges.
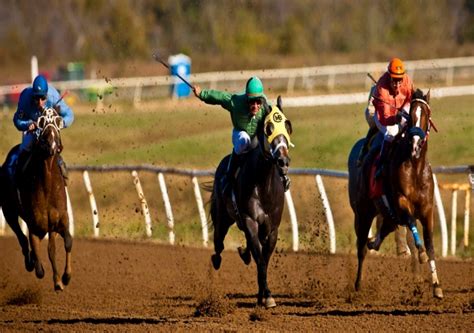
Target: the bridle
(50, 122)
(275, 125)
(414, 128)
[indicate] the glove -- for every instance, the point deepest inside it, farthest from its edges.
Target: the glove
(393, 130)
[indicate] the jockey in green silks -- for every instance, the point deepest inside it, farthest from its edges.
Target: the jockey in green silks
(247, 112)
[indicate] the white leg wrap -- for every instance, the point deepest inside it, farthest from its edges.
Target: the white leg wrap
(434, 275)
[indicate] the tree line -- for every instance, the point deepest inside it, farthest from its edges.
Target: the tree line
(220, 31)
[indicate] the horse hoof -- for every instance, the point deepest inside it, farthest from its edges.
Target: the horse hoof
(244, 255)
(270, 303)
(216, 261)
(423, 257)
(357, 286)
(372, 246)
(66, 278)
(438, 292)
(58, 286)
(29, 264)
(39, 271)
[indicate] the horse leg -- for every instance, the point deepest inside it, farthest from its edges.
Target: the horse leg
(427, 223)
(401, 242)
(68, 247)
(221, 227)
(12, 220)
(422, 256)
(362, 227)
(35, 245)
(268, 248)
(386, 228)
(58, 286)
(415, 265)
(253, 242)
(245, 254)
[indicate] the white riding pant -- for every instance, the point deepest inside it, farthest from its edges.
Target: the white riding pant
(242, 142)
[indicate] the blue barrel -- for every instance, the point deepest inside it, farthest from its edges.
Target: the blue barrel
(180, 64)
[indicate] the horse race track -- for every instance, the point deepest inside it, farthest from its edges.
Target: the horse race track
(144, 286)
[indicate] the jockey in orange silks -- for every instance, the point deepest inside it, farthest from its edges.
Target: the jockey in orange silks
(389, 103)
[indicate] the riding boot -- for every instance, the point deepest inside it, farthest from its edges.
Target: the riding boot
(383, 156)
(286, 182)
(63, 168)
(365, 147)
(227, 181)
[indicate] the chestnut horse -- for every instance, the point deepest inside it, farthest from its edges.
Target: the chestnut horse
(37, 194)
(256, 202)
(408, 186)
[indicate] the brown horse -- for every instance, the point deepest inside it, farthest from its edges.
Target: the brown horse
(256, 203)
(407, 184)
(38, 196)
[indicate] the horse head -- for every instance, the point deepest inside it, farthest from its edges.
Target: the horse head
(419, 122)
(49, 124)
(277, 130)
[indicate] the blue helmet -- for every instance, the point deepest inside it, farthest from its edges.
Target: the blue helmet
(40, 86)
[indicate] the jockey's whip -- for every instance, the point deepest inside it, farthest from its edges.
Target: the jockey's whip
(375, 97)
(371, 77)
(61, 98)
(164, 63)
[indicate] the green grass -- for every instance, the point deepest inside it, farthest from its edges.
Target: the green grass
(191, 135)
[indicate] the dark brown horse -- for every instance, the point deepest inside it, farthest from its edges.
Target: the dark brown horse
(38, 196)
(407, 184)
(258, 199)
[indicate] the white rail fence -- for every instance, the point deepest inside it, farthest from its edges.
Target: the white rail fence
(317, 173)
(430, 73)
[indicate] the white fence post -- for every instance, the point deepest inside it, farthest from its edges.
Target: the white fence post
(34, 67)
(442, 218)
(141, 197)
(167, 203)
(328, 213)
(69, 213)
(202, 212)
(467, 207)
(454, 209)
(95, 213)
(137, 95)
(293, 219)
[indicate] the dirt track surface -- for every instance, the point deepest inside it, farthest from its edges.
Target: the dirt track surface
(130, 286)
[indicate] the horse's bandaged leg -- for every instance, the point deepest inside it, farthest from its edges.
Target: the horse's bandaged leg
(434, 275)
(416, 236)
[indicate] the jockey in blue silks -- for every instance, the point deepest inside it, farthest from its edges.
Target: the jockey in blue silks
(33, 100)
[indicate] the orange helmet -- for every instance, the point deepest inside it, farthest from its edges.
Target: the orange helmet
(396, 68)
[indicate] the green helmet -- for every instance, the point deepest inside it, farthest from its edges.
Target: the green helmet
(254, 88)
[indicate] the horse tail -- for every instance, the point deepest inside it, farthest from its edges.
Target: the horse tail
(214, 188)
(209, 187)
(354, 172)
